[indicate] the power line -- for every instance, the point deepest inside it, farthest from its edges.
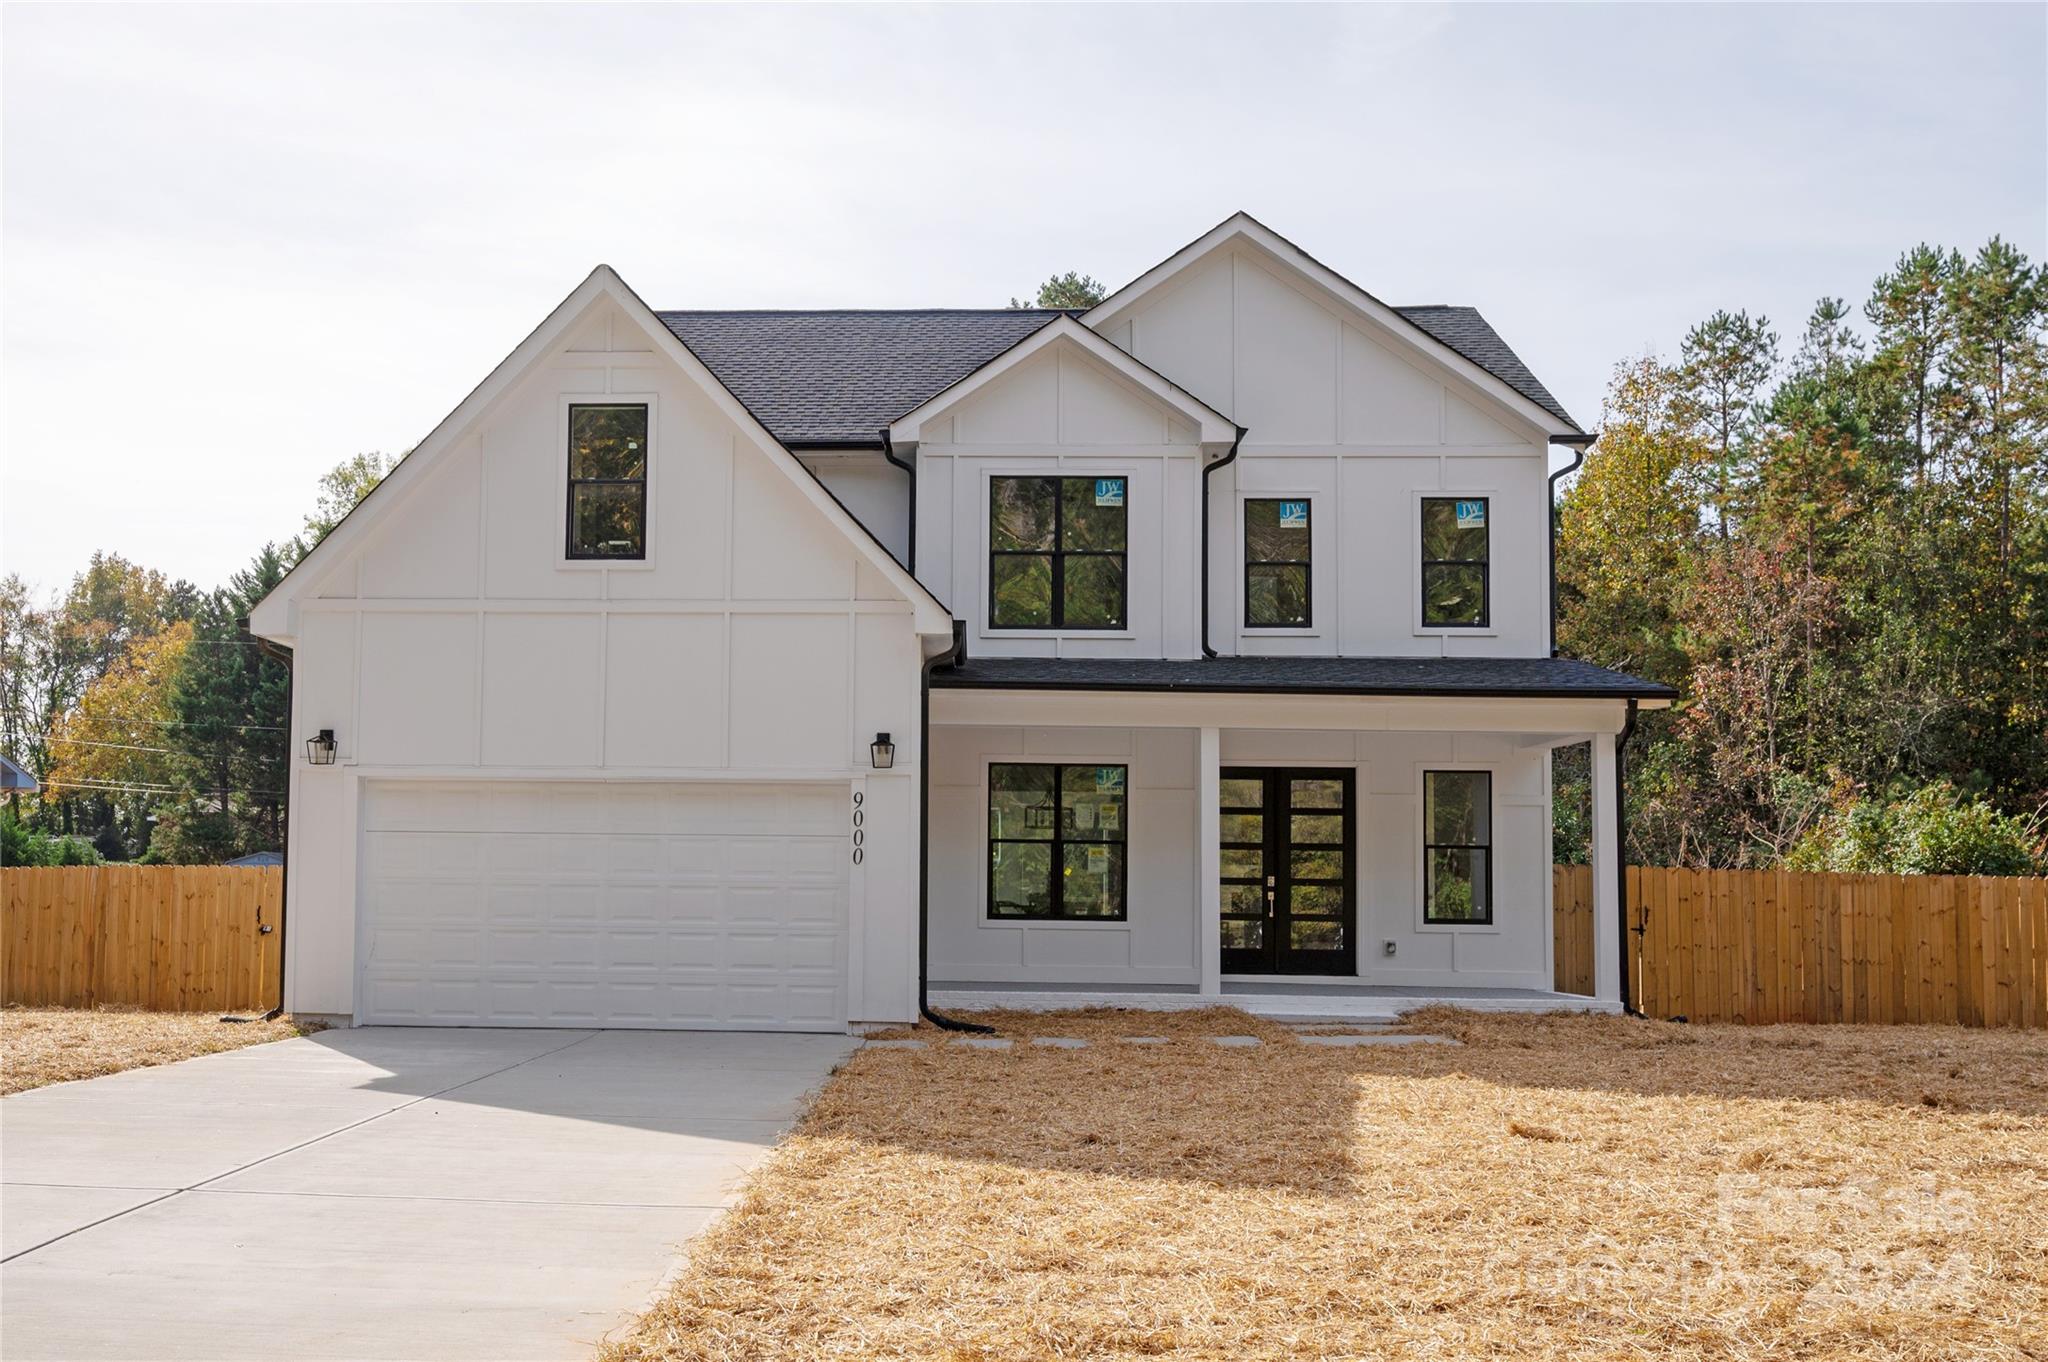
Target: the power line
(57, 786)
(174, 723)
(125, 747)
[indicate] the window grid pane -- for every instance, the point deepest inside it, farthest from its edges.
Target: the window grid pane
(1056, 840)
(1277, 580)
(1456, 568)
(607, 467)
(1457, 855)
(1057, 553)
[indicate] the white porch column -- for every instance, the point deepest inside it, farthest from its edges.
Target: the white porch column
(1606, 866)
(1209, 860)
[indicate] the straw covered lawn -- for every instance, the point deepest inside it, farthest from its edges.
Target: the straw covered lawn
(1585, 1187)
(40, 1045)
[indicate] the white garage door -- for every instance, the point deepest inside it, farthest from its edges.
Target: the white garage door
(566, 904)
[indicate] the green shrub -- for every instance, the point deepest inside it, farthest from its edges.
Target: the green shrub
(1932, 831)
(24, 846)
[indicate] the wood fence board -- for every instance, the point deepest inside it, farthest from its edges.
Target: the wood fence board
(170, 938)
(1776, 945)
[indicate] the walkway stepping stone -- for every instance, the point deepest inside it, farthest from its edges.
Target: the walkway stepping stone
(1060, 1042)
(1237, 1042)
(1142, 1040)
(1378, 1040)
(893, 1045)
(984, 1042)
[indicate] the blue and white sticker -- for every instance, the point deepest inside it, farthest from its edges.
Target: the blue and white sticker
(1471, 515)
(1293, 515)
(1109, 778)
(1109, 491)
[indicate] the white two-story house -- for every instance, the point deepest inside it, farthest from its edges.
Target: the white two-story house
(806, 669)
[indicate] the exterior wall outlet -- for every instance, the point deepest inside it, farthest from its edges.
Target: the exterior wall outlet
(1389, 947)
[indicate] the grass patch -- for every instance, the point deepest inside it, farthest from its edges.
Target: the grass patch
(1560, 1186)
(42, 1045)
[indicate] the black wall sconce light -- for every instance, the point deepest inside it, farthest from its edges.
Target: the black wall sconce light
(883, 752)
(320, 748)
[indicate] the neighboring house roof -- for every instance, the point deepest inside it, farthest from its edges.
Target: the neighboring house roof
(836, 378)
(258, 858)
(1513, 677)
(17, 777)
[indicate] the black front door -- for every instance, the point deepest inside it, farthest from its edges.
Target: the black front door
(1287, 877)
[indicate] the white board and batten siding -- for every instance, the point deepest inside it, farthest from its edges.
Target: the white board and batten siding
(462, 662)
(1354, 419)
(1064, 413)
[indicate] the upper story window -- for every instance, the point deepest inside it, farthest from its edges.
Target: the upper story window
(1056, 840)
(1457, 848)
(1454, 562)
(608, 481)
(1056, 553)
(1276, 564)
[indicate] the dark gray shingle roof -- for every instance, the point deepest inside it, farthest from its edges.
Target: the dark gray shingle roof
(839, 377)
(1528, 677)
(835, 377)
(1464, 330)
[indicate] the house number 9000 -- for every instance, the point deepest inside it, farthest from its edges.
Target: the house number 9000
(860, 818)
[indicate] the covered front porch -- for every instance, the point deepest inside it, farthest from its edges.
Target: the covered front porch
(1303, 854)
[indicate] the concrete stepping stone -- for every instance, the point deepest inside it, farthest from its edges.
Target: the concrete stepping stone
(893, 1045)
(1237, 1042)
(1377, 1040)
(1060, 1042)
(1142, 1040)
(984, 1042)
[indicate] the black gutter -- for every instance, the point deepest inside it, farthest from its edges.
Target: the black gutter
(1231, 457)
(910, 470)
(279, 653)
(1578, 445)
(951, 657)
(1628, 730)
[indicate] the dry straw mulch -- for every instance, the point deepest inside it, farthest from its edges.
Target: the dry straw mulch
(1581, 1187)
(41, 1045)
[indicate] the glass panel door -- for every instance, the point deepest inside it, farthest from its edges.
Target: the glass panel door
(1286, 838)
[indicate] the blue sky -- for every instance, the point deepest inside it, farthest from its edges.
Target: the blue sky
(240, 244)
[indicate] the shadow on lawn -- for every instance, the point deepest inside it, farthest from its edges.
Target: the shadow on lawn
(1293, 1117)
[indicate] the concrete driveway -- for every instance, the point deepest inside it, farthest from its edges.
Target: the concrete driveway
(384, 1193)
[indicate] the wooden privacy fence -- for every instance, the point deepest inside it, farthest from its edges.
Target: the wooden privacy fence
(1778, 945)
(172, 938)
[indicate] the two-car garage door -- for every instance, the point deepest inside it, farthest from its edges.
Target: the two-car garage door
(508, 903)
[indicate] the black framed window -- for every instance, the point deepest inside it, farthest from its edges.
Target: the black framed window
(1457, 847)
(1056, 840)
(1276, 564)
(1455, 583)
(1056, 553)
(608, 481)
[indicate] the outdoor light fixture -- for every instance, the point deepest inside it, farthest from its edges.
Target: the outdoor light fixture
(883, 751)
(320, 748)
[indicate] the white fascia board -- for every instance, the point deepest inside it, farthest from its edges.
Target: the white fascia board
(1244, 228)
(1217, 430)
(276, 616)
